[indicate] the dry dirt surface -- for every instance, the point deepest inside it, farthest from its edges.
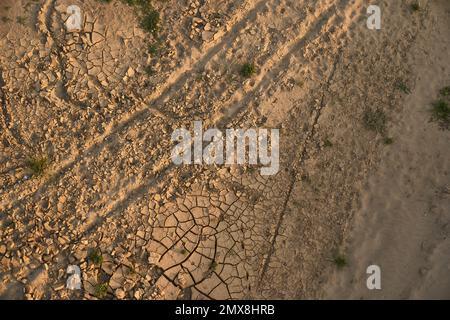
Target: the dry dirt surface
(100, 104)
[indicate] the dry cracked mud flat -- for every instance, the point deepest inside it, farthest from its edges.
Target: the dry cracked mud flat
(101, 104)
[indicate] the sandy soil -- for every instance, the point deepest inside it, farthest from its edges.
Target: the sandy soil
(404, 220)
(102, 104)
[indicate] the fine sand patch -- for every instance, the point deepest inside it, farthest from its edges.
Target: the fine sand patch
(403, 225)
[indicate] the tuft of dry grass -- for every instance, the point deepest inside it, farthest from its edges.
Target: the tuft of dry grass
(37, 165)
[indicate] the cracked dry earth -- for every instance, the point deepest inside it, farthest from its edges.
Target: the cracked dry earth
(103, 108)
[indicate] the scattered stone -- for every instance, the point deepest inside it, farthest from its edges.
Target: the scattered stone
(119, 293)
(117, 279)
(207, 35)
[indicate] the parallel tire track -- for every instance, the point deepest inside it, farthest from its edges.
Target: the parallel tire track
(144, 111)
(272, 67)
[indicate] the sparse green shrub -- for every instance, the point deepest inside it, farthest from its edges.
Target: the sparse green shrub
(37, 165)
(213, 266)
(403, 87)
(388, 141)
(150, 21)
(96, 257)
(340, 261)
(149, 70)
(153, 49)
(440, 113)
(445, 92)
(248, 70)
(415, 6)
(327, 143)
(101, 290)
(375, 120)
(21, 20)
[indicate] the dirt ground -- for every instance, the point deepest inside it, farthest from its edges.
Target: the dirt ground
(101, 105)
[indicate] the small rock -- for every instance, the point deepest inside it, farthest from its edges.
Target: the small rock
(130, 72)
(197, 20)
(108, 267)
(141, 234)
(59, 287)
(207, 35)
(117, 280)
(120, 293)
(138, 294)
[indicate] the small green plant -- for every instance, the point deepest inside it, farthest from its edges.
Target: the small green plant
(199, 77)
(403, 87)
(327, 143)
(248, 70)
(388, 141)
(375, 120)
(150, 21)
(134, 2)
(213, 266)
(305, 178)
(149, 71)
(445, 92)
(340, 261)
(101, 290)
(440, 113)
(153, 49)
(415, 6)
(21, 20)
(5, 19)
(96, 257)
(37, 165)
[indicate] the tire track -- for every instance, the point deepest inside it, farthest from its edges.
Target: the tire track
(273, 66)
(145, 110)
(294, 172)
(114, 207)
